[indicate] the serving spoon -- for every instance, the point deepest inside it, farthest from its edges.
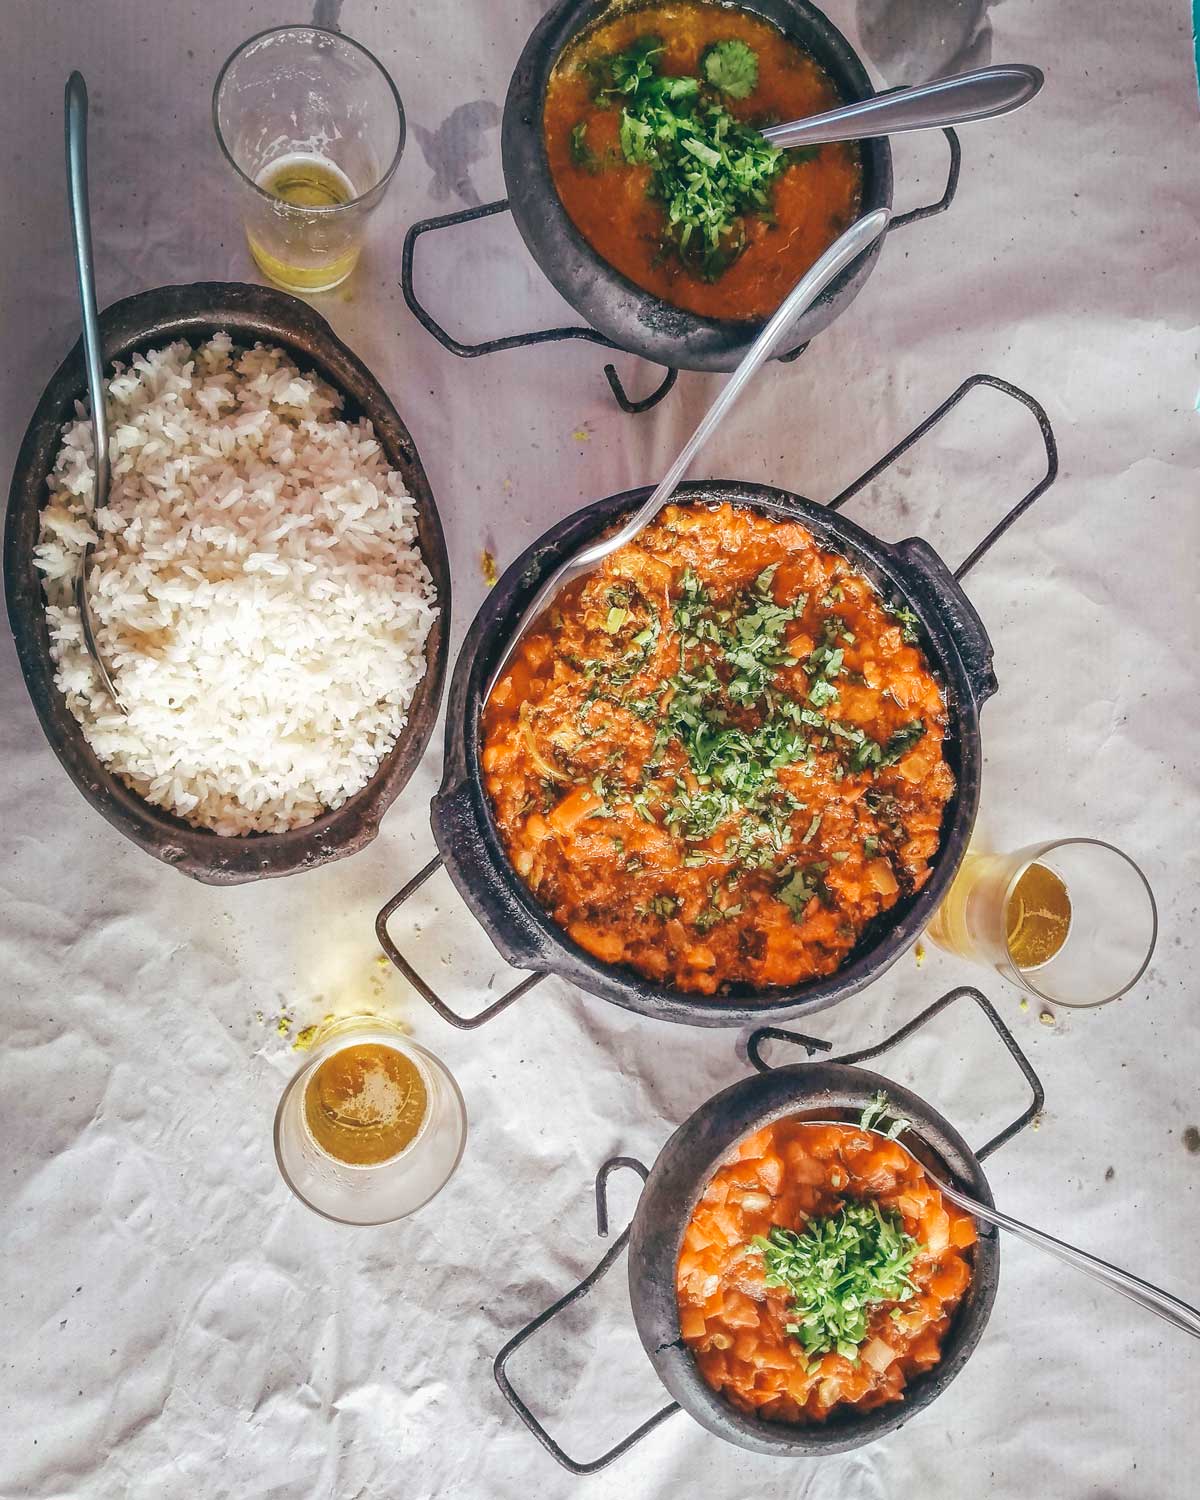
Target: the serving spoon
(85, 276)
(859, 237)
(1144, 1293)
(978, 95)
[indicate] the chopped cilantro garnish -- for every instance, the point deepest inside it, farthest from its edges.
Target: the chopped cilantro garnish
(708, 169)
(841, 1267)
(581, 153)
(822, 692)
(907, 621)
(731, 67)
(800, 887)
(658, 906)
(878, 1112)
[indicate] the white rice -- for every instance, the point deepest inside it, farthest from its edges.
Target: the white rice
(257, 589)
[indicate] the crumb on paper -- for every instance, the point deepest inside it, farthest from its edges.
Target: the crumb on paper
(1036, 1122)
(1046, 1018)
(582, 434)
(487, 566)
(1024, 1005)
(306, 1037)
(919, 954)
(383, 960)
(506, 486)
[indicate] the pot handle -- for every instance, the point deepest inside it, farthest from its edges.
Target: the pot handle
(932, 581)
(515, 340)
(867, 1054)
(947, 198)
(602, 1267)
(427, 993)
(1031, 403)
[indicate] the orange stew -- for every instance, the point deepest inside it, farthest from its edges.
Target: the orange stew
(720, 755)
(735, 1324)
(812, 201)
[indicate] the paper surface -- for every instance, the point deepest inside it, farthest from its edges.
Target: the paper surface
(175, 1324)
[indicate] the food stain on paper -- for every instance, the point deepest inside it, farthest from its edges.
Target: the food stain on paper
(364, 998)
(455, 147)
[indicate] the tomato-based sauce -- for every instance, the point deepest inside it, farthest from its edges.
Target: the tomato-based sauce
(786, 1175)
(720, 754)
(813, 200)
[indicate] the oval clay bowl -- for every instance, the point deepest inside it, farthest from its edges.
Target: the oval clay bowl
(248, 314)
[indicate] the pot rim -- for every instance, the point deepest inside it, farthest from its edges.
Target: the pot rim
(679, 1176)
(628, 316)
(526, 934)
(248, 313)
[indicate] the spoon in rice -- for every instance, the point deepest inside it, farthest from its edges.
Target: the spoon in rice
(843, 252)
(85, 276)
(1173, 1309)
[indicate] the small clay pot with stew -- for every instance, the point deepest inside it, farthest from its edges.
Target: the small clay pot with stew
(685, 1166)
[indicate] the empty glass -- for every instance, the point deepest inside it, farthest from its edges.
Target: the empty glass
(321, 1112)
(313, 127)
(1072, 921)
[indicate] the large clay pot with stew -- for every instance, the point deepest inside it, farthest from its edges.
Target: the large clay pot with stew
(955, 645)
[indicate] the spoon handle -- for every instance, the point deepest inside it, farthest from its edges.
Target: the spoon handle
(859, 237)
(85, 276)
(949, 101)
(847, 248)
(1146, 1295)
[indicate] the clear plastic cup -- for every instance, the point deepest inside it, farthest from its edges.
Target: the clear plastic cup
(313, 128)
(1092, 947)
(371, 1194)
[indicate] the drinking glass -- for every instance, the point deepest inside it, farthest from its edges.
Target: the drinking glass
(313, 127)
(1072, 921)
(391, 1189)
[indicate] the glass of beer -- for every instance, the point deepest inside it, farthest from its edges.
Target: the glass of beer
(1072, 921)
(313, 128)
(372, 1125)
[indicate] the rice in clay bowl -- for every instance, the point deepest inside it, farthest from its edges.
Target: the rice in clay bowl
(275, 603)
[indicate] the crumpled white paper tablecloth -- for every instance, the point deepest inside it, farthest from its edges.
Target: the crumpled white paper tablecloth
(174, 1324)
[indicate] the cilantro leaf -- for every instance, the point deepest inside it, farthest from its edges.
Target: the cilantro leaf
(581, 153)
(731, 67)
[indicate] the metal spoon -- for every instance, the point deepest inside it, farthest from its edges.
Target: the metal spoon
(977, 95)
(85, 276)
(1146, 1295)
(840, 254)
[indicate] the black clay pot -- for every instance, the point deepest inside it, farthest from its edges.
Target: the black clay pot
(954, 641)
(138, 324)
(634, 319)
(825, 1091)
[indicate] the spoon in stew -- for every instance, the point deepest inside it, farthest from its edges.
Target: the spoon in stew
(1144, 1293)
(844, 250)
(85, 275)
(978, 95)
